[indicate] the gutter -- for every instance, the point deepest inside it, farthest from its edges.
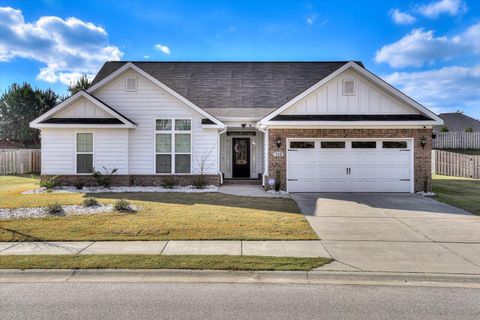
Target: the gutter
(218, 154)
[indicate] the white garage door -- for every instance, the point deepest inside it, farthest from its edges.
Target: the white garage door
(367, 165)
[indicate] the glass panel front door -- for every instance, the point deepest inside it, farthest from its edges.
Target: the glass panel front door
(241, 157)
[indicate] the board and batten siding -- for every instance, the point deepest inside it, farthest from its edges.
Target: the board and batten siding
(110, 150)
(143, 107)
(82, 108)
(368, 99)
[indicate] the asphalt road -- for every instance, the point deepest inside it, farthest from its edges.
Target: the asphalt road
(233, 301)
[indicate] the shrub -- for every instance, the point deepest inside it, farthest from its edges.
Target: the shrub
(90, 202)
(55, 209)
(49, 183)
(444, 129)
(199, 182)
(79, 185)
(104, 179)
(123, 205)
(168, 182)
(468, 129)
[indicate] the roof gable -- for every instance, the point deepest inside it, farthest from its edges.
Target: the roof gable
(78, 107)
(457, 121)
(434, 119)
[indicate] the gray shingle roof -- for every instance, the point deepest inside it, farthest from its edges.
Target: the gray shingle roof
(457, 121)
(233, 85)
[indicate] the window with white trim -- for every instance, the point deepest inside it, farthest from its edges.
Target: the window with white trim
(84, 152)
(173, 145)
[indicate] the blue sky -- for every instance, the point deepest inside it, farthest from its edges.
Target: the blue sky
(430, 49)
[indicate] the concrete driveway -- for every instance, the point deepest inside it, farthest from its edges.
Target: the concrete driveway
(393, 232)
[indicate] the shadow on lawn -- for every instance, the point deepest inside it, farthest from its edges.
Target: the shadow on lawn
(213, 199)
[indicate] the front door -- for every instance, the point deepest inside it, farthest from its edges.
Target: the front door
(241, 157)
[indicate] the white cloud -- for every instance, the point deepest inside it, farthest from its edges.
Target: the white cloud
(442, 89)
(68, 48)
(311, 18)
(162, 48)
(450, 7)
(420, 47)
(400, 17)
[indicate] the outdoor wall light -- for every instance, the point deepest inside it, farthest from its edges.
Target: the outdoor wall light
(278, 141)
(243, 125)
(423, 141)
(434, 135)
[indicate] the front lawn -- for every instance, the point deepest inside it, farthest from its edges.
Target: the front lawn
(163, 216)
(251, 263)
(459, 192)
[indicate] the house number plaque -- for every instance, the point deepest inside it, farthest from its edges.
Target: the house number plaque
(278, 154)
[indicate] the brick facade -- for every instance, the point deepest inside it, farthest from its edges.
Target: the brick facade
(134, 180)
(422, 156)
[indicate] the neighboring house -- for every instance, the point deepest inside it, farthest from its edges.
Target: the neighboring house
(457, 122)
(317, 126)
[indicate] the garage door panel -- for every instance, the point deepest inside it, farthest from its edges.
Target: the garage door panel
(370, 170)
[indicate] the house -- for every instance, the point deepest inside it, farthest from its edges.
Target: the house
(457, 122)
(313, 126)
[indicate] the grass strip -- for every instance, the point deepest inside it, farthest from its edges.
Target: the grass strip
(104, 261)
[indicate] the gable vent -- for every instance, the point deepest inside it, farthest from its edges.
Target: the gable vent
(131, 84)
(348, 87)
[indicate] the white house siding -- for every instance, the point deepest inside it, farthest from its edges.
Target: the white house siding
(82, 108)
(110, 149)
(368, 99)
(142, 107)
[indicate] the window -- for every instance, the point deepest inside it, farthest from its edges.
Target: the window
(364, 144)
(302, 144)
(173, 145)
(84, 152)
(131, 83)
(348, 87)
(394, 144)
(332, 144)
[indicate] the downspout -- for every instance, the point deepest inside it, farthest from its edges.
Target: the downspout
(265, 153)
(219, 154)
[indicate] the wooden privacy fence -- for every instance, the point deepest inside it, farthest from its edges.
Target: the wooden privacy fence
(457, 140)
(19, 161)
(455, 164)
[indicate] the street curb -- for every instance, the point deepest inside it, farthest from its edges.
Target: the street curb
(258, 277)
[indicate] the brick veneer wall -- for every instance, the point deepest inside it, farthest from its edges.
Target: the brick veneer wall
(422, 156)
(133, 180)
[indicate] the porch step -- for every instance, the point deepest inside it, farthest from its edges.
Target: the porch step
(243, 181)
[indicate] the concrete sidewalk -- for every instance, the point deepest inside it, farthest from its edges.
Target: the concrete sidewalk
(251, 248)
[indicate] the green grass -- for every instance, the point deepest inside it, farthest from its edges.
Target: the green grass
(252, 263)
(162, 216)
(459, 192)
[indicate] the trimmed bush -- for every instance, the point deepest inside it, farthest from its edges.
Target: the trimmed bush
(90, 202)
(79, 185)
(168, 182)
(199, 182)
(49, 183)
(55, 209)
(123, 205)
(104, 179)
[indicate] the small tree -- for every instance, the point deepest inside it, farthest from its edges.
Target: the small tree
(468, 129)
(81, 84)
(203, 165)
(444, 129)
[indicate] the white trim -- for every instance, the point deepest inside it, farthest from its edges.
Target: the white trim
(395, 92)
(411, 147)
(347, 124)
(130, 65)
(36, 123)
(172, 152)
(76, 153)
